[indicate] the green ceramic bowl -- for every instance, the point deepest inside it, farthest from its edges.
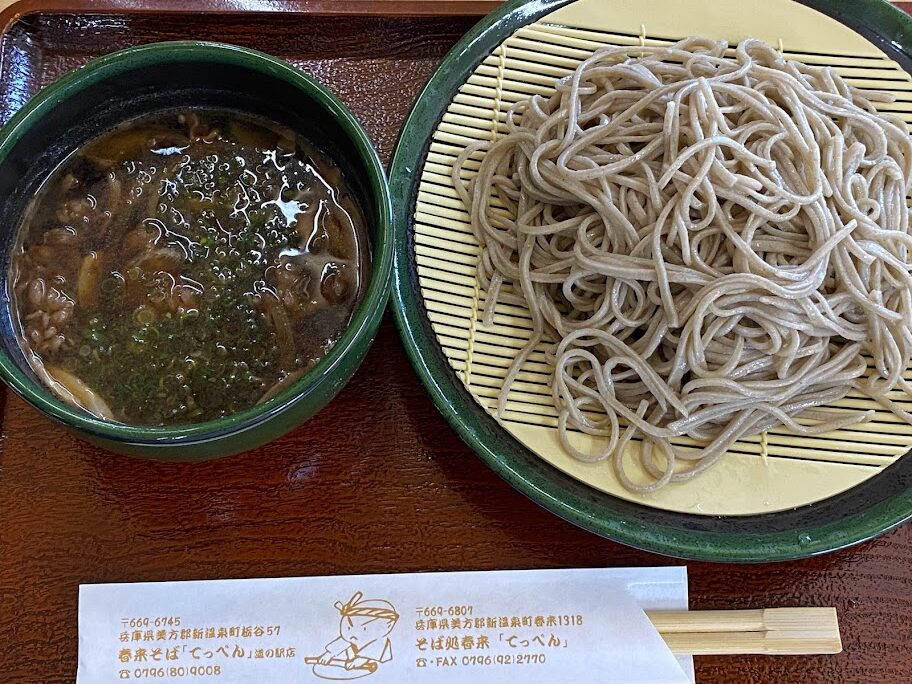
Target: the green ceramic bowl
(877, 505)
(124, 84)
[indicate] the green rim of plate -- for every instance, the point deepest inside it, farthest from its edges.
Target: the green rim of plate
(865, 511)
(319, 384)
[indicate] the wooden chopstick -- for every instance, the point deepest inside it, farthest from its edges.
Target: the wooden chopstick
(772, 631)
(759, 620)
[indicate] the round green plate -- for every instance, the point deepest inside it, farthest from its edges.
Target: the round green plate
(877, 505)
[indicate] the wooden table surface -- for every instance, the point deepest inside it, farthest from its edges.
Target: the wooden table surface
(375, 483)
(435, 6)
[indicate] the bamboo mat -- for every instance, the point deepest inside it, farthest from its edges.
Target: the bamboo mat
(773, 471)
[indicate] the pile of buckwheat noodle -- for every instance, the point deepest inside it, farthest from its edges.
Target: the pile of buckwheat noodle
(714, 245)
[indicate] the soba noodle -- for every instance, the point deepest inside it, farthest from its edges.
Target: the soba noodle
(716, 244)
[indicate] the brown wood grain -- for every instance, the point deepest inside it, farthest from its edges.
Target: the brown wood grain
(397, 8)
(377, 482)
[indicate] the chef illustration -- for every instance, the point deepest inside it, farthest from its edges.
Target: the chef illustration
(363, 643)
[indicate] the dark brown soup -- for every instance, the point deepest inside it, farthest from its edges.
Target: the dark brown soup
(186, 265)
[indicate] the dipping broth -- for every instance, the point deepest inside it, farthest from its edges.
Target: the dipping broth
(186, 265)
